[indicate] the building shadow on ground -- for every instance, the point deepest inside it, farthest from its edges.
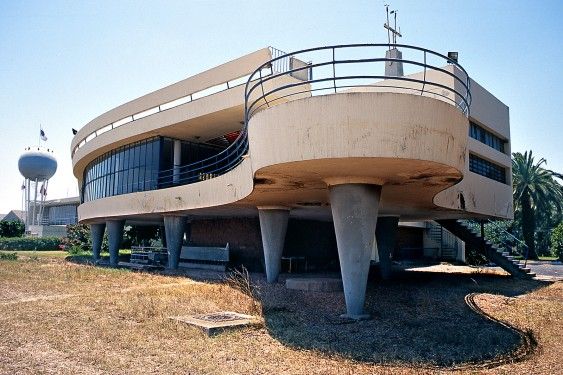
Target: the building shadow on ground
(418, 318)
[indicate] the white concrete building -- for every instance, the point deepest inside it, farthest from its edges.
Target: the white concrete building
(301, 153)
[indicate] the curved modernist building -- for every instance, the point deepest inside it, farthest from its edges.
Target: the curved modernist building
(340, 139)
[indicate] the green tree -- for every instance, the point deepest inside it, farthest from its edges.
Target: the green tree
(534, 190)
(557, 241)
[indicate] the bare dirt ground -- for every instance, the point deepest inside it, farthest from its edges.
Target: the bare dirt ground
(62, 318)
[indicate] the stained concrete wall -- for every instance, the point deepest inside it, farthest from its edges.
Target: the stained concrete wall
(482, 195)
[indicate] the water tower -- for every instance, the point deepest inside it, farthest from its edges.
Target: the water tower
(37, 165)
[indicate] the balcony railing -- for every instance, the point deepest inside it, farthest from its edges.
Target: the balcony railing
(337, 69)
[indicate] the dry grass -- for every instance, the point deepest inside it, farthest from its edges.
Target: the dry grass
(57, 317)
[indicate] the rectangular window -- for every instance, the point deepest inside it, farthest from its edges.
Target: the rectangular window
(486, 137)
(486, 168)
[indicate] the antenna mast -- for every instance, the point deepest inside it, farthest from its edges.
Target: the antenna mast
(392, 31)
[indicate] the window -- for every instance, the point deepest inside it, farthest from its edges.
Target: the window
(486, 168)
(141, 166)
(121, 171)
(486, 137)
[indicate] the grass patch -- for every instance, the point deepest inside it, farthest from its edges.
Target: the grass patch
(37, 254)
(4, 255)
(419, 320)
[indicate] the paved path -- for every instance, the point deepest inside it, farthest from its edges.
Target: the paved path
(547, 269)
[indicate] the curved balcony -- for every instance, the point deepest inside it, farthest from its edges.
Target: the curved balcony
(338, 69)
(341, 69)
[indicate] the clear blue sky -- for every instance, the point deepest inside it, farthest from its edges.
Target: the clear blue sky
(62, 63)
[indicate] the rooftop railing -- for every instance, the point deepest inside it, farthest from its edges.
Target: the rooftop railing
(337, 69)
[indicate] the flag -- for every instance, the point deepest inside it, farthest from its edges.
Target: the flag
(43, 190)
(23, 185)
(42, 135)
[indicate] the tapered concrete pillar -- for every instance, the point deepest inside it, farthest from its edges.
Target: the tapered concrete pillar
(386, 236)
(354, 212)
(174, 233)
(273, 226)
(97, 236)
(115, 237)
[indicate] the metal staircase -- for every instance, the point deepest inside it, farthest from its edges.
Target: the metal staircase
(446, 242)
(494, 253)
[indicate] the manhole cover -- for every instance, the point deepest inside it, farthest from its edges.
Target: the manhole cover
(219, 317)
(213, 323)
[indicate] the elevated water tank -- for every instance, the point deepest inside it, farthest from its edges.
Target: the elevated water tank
(37, 163)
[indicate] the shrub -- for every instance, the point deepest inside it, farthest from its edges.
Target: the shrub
(557, 241)
(79, 235)
(474, 257)
(11, 228)
(76, 250)
(8, 256)
(30, 243)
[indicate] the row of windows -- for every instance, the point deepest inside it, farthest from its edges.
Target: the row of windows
(487, 169)
(140, 166)
(486, 137)
(124, 170)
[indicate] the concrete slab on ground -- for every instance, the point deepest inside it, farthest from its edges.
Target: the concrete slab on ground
(214, 323)
(547, 270)
(315, 284)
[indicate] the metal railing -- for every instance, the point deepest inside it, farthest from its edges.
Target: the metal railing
(268, 90)
(514, 238)
(327, 79)
(59, 220)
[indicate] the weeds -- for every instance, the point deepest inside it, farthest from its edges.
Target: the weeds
(239, 279)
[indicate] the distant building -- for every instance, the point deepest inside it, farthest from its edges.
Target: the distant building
(14, 215)
(56, 215)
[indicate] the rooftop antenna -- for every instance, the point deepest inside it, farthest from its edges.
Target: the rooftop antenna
(394, 63)
(392, 32)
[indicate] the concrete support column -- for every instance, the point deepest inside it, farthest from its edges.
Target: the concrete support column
(177, 161)
(354, 212)
(273, 226)
(115, 237)
(97, 236)
(174, 233)
(386, 236)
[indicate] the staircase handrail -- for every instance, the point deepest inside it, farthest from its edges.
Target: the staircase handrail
(513, 237)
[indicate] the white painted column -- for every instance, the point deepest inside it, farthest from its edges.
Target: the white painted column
(177, 161)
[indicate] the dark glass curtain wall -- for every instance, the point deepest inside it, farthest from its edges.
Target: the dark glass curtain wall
(136, 167)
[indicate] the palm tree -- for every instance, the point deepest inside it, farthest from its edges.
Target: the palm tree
(535, 190)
